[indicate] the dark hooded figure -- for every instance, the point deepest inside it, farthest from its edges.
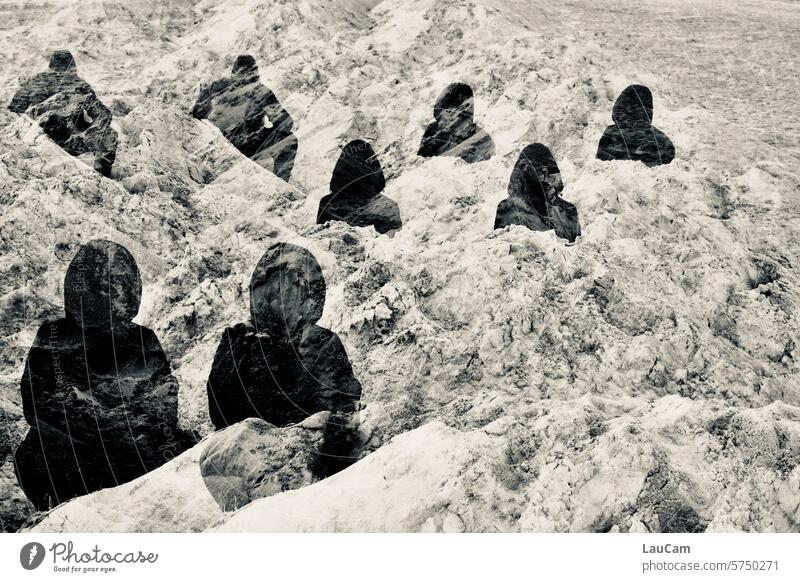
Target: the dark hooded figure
(454, 131)
(356, 187)
(281, 366)
(533, 196)
(249, 115)
(69, 112)
(97, 389)
(633, 137)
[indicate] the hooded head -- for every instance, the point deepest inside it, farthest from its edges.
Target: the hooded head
(102, 288)
(358, 174)
(535, 176)
(61, 61)
(245, 65)
(455, 101)
(633, 108)
(287, 291)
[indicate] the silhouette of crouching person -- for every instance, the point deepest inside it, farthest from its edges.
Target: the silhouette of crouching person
(69, 112)
(250, 116)
(356, 186)
(633, 136)
(454, 131)
(97, 389)
(534, 196)
(281, 366)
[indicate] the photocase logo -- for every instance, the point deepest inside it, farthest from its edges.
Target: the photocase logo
(31, 555)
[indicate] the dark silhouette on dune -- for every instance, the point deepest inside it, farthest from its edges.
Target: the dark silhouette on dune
(454, 131)
(633, 137)
(281, 366)
(534, 196)
(250, 116)
(69, 112)
(97, 389)
(356, 187)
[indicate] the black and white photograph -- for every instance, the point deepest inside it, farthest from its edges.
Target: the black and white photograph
(400, 267)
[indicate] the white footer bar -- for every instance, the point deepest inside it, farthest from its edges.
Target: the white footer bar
(422, 557)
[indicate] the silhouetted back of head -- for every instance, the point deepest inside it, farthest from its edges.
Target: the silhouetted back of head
(538, 157)
(62, 61)
(287, 291)
(456, 98)
(634, 107)
(358, 173)
(245, 65)
(102, 287)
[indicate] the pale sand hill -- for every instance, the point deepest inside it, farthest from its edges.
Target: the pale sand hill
(641, 379)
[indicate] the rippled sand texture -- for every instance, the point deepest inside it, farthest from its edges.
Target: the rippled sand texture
(644, 378)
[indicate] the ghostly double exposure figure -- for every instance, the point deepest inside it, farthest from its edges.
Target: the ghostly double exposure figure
(97, 389)
(69, 112)
(633, 137)
(250, 116)
(534, 196)
(356, 187)
(281, 366)
(454, 131)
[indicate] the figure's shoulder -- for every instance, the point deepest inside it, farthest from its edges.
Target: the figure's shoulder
(480, 135)
(262, 90)
(505, 204)
(51, 330)
(502, 219)
(222, 84)
(393, 214)
(429, 144)
(432, 128)
(666, 149)
(323, 212)
(78, 85)
(612, 130)
(213, 89)
(386, 218)
(507, 208)
(148, 335)
(323, 339)
(661, 136)
(235, 337)
(383, 204)
(609, 142)
(560, 202)
(43, 79)
(239, 330)
(566, 209)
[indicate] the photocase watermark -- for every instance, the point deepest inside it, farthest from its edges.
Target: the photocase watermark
(53, 343)
(167, 449)
(67, 559)
(354, 147)
(31, 555)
